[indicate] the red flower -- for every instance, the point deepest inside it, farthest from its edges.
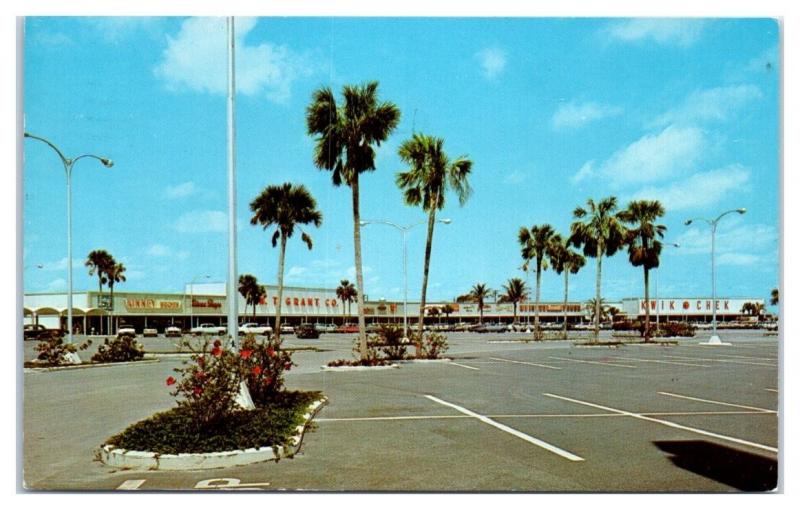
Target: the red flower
(201, 375)
(245, 353)
(271, 352)
(201, 361)
(216, 351)
(268, 381)
(198, 391)
(287, 366)
(257, 370)
(217, 343)
(170, 381)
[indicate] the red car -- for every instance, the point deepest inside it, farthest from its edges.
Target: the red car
(347, 328)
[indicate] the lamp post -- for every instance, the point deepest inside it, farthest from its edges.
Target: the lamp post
(191, 298)
(403, 230)
(658, 305)
(68, 164)
(714, 340)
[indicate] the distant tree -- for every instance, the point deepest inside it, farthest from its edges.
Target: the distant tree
(592, 306)
(565, 260)
(774, 297)
(515, 291)
(346, 292)
(447, 309)
(99, 262)
(115, 274)
(537, 245)
(600, 232)
(644, 247)
(251, 291)
(479, 294)
(286, 207)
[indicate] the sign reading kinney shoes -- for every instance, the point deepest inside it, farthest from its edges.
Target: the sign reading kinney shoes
(152, 305)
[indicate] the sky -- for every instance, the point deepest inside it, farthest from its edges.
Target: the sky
(552, 112)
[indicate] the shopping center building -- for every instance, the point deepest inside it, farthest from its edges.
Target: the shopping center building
(207, 303)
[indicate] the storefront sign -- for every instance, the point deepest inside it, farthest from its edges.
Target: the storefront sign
(694, 306)
(207, 303)
(152, 305)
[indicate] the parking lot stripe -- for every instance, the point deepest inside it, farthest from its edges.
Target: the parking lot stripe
(592, 362)
(130, 485)
(724, 361)
(715, 402)
(668, 423)
(526, 363)
(392, 418)
(662, 362)
(747, 357)
(773, 390)
(463, 366)
(538, 442)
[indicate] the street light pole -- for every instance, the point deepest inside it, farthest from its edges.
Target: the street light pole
(714, 340)
(403, 230)
(68, 165)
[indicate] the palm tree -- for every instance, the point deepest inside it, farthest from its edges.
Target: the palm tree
(601, 233)
(344, 145)
(250, 291)
(515, 291)
(537, 243)
(479, 294)
(346, 292)
(644, 248)
(98, 262)
(447, 309)
(565, 260)
(115, 274)
(425, 183)
(774, 297)
(595, 307)
(286, 207)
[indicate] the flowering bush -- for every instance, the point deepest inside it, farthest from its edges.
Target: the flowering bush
(263, 366)
(53, 350)
(670, 329)
(432, 346)
(209, 384)
(389, 340)
(123, 348)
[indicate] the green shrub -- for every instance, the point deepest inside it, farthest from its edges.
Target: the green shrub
(670, 329)
(122, 348)
(389, 340)
(433, 345)
(53, 351)
(263, 366)
(177, 431)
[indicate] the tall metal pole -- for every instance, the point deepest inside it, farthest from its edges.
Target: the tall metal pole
(233, 305)
(405, 283)
(713, 283)
(68, 168)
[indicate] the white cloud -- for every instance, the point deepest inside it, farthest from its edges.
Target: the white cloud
(698, 191)
(574, 115)
(57, 285)
(158, 250)
(585, 172)
(196, 59)
(653, 157)
(492, 61)
(683, 32)
(733, 236)
(710, 105)
(515, 177)
(115, 29)
(182, 190)
(202, 221)
(738, 259)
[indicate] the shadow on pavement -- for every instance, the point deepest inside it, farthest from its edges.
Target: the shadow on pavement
(741, 470)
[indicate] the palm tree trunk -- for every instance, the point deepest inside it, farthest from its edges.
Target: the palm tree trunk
(362, 327)
(111, 315)
(280, 290)
(597, 294)
(566, 297)
(515, 312)
(480, 311)
(428, 245)
(537, 334)
(647, 304)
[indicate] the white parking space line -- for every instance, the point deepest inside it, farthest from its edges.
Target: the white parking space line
(526, 363)
(525, 437)
(620, 365)
(391, 418)
(735, 361)
(463, 366)
(130, 485)
(662, 362)
(773, 390)
(696, 399)
(668, 423)
(747, 357)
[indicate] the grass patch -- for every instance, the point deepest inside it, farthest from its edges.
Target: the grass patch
(369, 362)
(174, 431)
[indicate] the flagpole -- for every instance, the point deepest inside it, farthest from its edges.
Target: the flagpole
(233, 305)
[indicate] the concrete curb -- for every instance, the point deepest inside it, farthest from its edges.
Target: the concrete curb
(131, 459)
(31, 370)
(346, 368)
(437, 360)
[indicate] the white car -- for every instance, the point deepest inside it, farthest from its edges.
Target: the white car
(126, 330)
(287, 330)
(254, 329)
(208, 329)
(172, 331)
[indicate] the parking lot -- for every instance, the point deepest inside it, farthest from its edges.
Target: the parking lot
(501, 416)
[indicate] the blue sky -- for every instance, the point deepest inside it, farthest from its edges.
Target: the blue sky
(552, 111)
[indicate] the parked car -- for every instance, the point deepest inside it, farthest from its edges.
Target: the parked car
(325, 328)
(347, 328)
(149, 332)
(286, 329)
(126, 329)
(38, 332)
(490, 327)
(172, 331)
(255, 329)
(307, 331)
(208, 329)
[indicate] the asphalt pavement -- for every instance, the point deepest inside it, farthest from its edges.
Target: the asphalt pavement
(506, 416)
